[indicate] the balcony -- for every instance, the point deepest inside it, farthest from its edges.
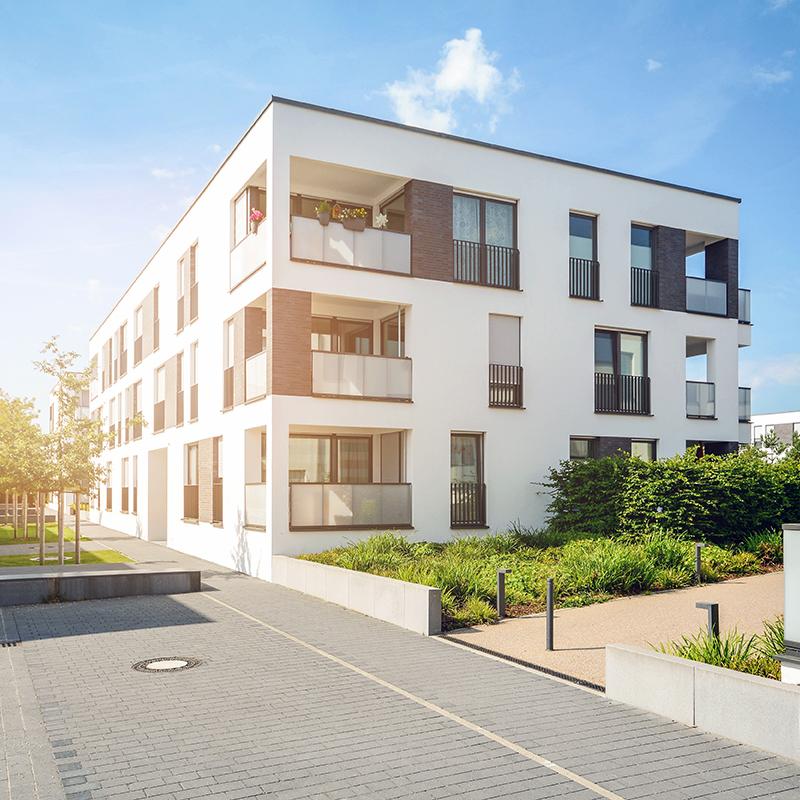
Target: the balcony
(358, 506)
(361, 376)
(255, 505)
(248, 256)
(485, 264)
(644, 287)
(744, 307)
(705, 296)
(700, 400)
(191, 502)
(744, 403)
(386, 251)
(227, 391)
(255, 376)
(584, 278)
(467, 505)
(621, 394)
(505, 386)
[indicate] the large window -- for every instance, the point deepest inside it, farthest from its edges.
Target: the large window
(190, 479)
(641, 247)
(332, 334)
(253, 197)
(645, 449)
(618, 353)
(476, 219)
(160, 384)
(582, 237)
(466, 458)
(580, 448)
(393, 334)
(330, 459)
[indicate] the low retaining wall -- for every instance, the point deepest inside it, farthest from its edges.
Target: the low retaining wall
(17, 590)
(410, 605)
(749, 709)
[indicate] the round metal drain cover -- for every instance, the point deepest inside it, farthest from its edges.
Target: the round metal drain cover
(169, 664)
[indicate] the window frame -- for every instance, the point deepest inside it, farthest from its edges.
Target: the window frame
(653, 443)
(482, 217)
(591, 442)
(336, 334)
(334, 438)
(479, 437)
(616, 353)
(593, 219)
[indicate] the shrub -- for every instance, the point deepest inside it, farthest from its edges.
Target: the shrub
(601, 565)
(767, 546)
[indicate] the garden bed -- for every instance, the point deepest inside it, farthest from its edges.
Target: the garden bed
(585, 569)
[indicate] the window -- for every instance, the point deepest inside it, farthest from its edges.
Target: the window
(641, 247)
(342, 335)
(193, 364)
(263, 456)
(138, 322)
(583, 237)
(251, 198)
(796, 428)
(395, 210)
(124, 483)
(109, 490)
(191, 464)
(645, 449)
(466, 458)
(618, 353)
(230, 343)
(492, 222)
(160, 385)
(330, 459)
(758, 433)
(135, 484)
(393, 334)
(504, 339)
(580, 448)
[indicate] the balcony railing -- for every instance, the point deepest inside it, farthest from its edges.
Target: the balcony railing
(644, 287)
(193, 308)
(255, 505)
(180, 313)
(485, 264)
(505, 386)
(700, 400)
(744, 404)
(367, 506)
(158, 416)
(156, 333)
(248, 256)
(193, 403)
(744, 306)
(135, 502)
(179, 407)
(706, 296)
(227, 391)
(191, 502)
(123, 363)
(255, 376)
(467, 505)
(621, 394)
(584, 278)
(387, 251)
(355, 375)
(216, 501)
(109, 498)
(137, 351)
(124, 499)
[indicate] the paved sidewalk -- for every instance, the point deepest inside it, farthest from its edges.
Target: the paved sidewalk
(296, 698)
(581, 634)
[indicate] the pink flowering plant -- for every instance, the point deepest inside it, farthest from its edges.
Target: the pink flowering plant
(256, 215)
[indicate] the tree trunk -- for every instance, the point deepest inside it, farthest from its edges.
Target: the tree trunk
(15, 500)
(5, 510)
(41, 526)
(60, 526)
(25, 516)
(77, 527)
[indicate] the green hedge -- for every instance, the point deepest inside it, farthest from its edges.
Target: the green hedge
(720, 498)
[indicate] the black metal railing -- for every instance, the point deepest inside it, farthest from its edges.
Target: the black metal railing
(227, 400)
(109, 497)
(193, 403)
(467, 505)
(745, 405)
(505, 386)
(179, 408)
(485, 264)
(156, 333)
(216, 501)
(584, 278)
(621, 394)
(191, 502)
(137, 351)
(159, 416)
(181, 305)
(135, 505)
(744, 306)
(124, 499)
(193, 303)
(644, 287)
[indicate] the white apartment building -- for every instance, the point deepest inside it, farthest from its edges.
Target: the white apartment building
(468, 316)
(784, 424)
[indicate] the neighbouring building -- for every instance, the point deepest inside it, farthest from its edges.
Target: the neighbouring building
(420, 326)
(784, 424)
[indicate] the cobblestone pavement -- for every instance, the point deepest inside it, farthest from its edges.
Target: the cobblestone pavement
(295, 698)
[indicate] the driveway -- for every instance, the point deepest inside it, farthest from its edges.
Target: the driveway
(295, 698)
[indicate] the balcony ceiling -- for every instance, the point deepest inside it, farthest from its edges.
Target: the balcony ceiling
(320, 178)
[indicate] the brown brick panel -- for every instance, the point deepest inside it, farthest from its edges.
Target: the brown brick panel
(429, 220)
(670, 261)
(722, 264)
(289, 342)
(205, 479)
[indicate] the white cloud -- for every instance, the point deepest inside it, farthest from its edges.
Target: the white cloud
(651, 65)
(771, 77)
(215, 148)
(161, 173)
(777, 5)
(778, 370)
(465, 71)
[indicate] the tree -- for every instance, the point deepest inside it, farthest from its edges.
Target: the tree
(76, 442)
(772, 447)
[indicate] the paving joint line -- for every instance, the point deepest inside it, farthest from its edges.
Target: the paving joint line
(443, 712)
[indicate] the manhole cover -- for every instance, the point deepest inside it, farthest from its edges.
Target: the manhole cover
(169, 664)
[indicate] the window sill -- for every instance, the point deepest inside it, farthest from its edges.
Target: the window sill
(469, 527)
(256, 528)
(334, 528)
(694, 416)
(583, 297)
(358, 397)
(190, 521)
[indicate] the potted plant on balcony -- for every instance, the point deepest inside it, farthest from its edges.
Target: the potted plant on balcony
(380, 221)
(256, 218)
(354, 219)
(323, 212)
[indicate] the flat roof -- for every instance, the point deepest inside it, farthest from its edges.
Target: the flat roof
(389, 123)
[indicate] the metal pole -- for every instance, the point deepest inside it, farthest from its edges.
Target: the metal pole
(549, 614)
(698, 546)
(501, 592)
(713, 617)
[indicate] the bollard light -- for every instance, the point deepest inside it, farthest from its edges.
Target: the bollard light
(549, 633)
(501, 592)
(698, 546)
(713, 617)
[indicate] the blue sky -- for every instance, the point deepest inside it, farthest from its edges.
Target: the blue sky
(112, 116)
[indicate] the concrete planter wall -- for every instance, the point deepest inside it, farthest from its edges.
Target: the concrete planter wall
(410, 605)
(755, 711)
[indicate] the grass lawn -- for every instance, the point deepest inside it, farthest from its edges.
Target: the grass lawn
(51, 534)
(584, 569)
(87, 557)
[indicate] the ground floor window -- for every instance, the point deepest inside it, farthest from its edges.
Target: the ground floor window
(580, 448)
(644, 449)
(330, 459)
(467, 488)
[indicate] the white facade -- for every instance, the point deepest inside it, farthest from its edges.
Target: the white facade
(372, 275)
(784, 424)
